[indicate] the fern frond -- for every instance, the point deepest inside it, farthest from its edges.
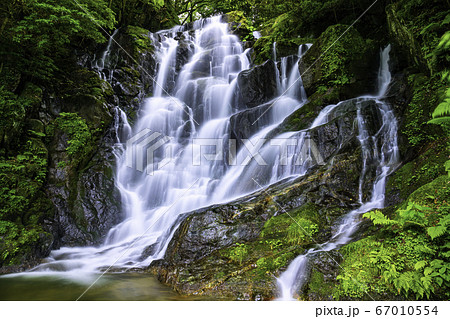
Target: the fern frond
(420, 264)
(444, 43)
(442, 109)
(378, 218)
(440, 120)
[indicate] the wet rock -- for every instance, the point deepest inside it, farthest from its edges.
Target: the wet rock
(87, 203)
(258, 85)
(184, 52)
(201, 257)
(245, 124)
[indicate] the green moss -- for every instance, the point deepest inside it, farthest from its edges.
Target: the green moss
(425, 96)
(436, 192)
(142, 42)
(319, 288)
(280, 241)
(332, 63)
(285, 226)
(423, 169)
(304, 116)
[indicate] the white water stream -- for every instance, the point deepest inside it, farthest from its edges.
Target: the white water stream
(384, 153)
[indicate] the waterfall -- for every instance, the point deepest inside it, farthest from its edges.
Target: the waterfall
(384, 153)
(103, 62)
(179, 156)
(166, 164)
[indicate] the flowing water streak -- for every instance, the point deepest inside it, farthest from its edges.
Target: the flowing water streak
(386, 155)
(103, 62)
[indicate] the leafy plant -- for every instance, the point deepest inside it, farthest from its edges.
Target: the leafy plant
(238, 253)
(301, 230)
(80, 137)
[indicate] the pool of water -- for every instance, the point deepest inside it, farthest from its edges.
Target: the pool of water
(124, 286)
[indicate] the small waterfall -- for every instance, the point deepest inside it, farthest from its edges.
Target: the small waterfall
(103, 62)
(385, 153)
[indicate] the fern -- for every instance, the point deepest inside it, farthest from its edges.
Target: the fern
(444, 43)
(420, 264)
(442, 111)
(440, 229)
(443, 108)
(378, 218)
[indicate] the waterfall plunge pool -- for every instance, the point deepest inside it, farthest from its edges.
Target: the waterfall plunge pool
(111, 287)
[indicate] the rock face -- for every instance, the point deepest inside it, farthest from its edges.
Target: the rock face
(258, 85)
(234, 250)
(347, 64)
(246, 123)
(87, 203)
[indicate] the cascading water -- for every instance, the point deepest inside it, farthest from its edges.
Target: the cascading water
(192, 106)
(384, 153)
(103, 62)
(187, 107)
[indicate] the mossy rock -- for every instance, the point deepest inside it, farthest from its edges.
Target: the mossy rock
(319, 288)
(347, 64)
(303, 117)
(141, 38)
(239, 25)
(415, 28)
(89, 96)
(418, 172)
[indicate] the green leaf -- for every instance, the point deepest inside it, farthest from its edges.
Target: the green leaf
(378, 218)
(420, 264)
(427, 271)
(437, 231)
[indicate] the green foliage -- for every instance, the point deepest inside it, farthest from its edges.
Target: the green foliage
(36, 34)
(15, 240)
(426, 22)
(12, 115)
(425, 97)
(141, 38)
(238, 253)
(22, 178)
(80, 137)
(410, 254)
(302, 230)
(441, 114)
(268, 265)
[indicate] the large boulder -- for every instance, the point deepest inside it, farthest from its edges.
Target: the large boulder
(258, 85)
